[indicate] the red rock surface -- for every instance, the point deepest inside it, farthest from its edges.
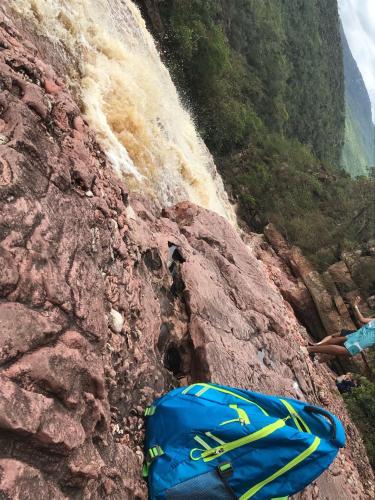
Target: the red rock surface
(325, 299)
(97, 313)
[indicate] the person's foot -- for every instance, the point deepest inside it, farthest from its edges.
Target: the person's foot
(311, 353)
(307, 352)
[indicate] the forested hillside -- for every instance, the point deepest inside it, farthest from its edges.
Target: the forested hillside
(315, 88)
(265, 82)
(359, 146)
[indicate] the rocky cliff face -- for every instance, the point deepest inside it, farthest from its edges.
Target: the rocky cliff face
(105, 303)
(321, 301)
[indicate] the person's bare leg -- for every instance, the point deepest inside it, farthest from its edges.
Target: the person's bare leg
(335, 350)
(333, 340)
(325, 341)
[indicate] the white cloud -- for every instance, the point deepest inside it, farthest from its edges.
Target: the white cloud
(358, 18)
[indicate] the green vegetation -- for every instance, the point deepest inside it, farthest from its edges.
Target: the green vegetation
(315, 97)
(244, 64)
(354, 158)
(361, 405)
(321, 209)
(359, 147)
(264, 80)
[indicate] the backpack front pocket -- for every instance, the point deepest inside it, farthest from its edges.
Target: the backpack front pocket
(283, 470)
(207, 486)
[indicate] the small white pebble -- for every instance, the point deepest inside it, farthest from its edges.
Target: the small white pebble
(116, 321)
(130, 213)
(140, 456)
(3, 139)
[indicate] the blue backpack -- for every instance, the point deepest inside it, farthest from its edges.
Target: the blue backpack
(212, 442)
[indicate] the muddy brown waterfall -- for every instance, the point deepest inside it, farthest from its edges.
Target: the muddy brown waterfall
(129, 98)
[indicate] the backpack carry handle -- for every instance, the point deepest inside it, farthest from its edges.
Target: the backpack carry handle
(320, 411)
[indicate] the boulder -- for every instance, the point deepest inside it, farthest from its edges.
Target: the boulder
(342, 278)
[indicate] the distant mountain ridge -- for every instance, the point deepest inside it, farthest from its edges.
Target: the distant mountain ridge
(359, 146)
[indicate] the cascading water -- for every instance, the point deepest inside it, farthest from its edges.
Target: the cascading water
(129, 98)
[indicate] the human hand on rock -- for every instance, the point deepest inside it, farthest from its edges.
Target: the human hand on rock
(356, 301)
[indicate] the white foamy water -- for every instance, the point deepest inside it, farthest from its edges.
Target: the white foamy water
(130, 99)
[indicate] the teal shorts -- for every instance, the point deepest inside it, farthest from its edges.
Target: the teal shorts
(361, 339)
(353, 346)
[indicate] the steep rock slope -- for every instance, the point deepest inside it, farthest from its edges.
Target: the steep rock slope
(359, 147)
(321, 301)
(103, 300)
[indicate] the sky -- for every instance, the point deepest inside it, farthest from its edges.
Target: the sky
(358, 18)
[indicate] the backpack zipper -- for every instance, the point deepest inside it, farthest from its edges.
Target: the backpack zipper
(243, 418)
(290, 465)
(216, 452)
(297, 419)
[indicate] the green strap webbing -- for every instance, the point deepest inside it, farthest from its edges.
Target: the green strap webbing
(151, 455)
(215, 438)
(290, 465)
(203, 443)
(225, 469)
(155, 452)
(149, 411)
(145, 470)
(242, 415)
